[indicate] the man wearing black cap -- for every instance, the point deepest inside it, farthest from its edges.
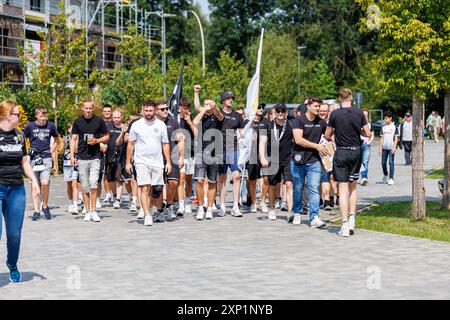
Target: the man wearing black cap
(406, 138)
(231, 123)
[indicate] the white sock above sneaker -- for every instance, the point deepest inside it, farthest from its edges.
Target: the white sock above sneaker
(235, 205)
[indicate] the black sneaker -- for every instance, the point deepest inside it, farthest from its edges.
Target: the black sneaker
(47, 213)
(36, 216)
(326, 205)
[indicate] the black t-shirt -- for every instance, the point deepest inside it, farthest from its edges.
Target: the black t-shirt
(40, 137)
(231, 122)
(347, 123)
(84, 128)
(12, 151)
(114, 133)
(312, 131)
(185, 126)
(208, 122)
(283, 139)
(172, 125)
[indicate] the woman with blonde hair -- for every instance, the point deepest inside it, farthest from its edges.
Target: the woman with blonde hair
(13, 165)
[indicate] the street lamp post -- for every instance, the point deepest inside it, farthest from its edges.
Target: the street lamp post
(203, 41)
(298, 66)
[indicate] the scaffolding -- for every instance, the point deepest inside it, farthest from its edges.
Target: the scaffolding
(105, 23)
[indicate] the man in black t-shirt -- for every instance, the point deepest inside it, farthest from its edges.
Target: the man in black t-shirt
(88, 132)
(279, 149)
(111, 160)
(232, 122)
(209, 125)
(260, 126)
(347, 124)
(176, 141)
(308, 130)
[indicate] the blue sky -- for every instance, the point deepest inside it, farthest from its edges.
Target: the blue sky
(204, 5)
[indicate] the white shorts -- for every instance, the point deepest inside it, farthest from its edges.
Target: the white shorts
(147, 175)
(188, 168)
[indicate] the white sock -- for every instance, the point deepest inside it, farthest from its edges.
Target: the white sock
(236, 205)
(209, 208)
(75, 203)
(222, 206)
(134, 200)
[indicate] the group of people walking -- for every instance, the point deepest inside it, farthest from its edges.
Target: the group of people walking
(160, 158)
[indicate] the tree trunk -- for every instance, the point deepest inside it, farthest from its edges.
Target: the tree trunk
(446, 195)
(418, 188)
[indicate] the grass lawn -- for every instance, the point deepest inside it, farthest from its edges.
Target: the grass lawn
(437, 174)
(394, 218)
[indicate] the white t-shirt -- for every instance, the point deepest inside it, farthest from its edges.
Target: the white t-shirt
(407, 131)
(149, 136)
(389, 132)
(365, 139)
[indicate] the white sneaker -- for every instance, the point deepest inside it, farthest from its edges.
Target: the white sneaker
(317, 223)
(87, 217)
(385, 179)
(272, 215)
(98, 205)
(297, 219)
(264, 208)
(73, 209)
(188, 209)
(222, 211)
(351, 224)
(290, 217)
(209, 214)
(84, 211)
(214, 207)
(107, 198)
(235, 212)
(133, 207)
(278, 204)
(253, 208)
(148, 221)
(364, 182)
(200, 213)
(95, 216)
(117, 204)
(345, 231)
(141, 214)
(391, 182)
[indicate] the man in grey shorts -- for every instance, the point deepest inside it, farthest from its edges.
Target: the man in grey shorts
(88, 132)
(40, 133)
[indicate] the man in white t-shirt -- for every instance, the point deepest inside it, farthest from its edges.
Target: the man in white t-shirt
(388, 147)
(148, 140)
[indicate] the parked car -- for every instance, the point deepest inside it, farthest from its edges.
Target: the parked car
(376, 127)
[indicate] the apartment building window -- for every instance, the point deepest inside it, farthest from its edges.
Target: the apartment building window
(37, 5)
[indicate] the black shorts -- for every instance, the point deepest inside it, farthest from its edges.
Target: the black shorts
(111, 171)
(102, 170)
(346, 165)
(284, 170)
(173, 175)
(209, 169)
(253, 171)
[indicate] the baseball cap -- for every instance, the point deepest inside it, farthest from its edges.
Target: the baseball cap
(302, 108)
(225, 95)
(408, 114)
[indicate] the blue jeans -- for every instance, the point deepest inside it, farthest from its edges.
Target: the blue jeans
(313, 173)
(365, 161)
(384, 156)
(12, 205)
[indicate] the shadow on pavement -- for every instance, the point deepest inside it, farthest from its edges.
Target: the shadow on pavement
(26, 277)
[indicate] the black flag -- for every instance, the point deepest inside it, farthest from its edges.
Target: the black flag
(174, 101)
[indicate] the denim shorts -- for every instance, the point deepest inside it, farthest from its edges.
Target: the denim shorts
(230, 160)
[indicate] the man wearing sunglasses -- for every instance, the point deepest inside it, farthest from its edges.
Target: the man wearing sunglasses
(280, 139)
(260, 126)
(231, 123)
(176, 139)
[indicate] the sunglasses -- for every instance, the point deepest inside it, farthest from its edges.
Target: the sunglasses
(163, 109)
(280, 110)
(15, 114)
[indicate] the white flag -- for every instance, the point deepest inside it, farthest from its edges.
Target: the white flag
(251, 107)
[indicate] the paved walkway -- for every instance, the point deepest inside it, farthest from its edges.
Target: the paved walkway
(227, 258)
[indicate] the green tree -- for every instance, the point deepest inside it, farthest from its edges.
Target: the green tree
(317, 80)
(413, 39)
